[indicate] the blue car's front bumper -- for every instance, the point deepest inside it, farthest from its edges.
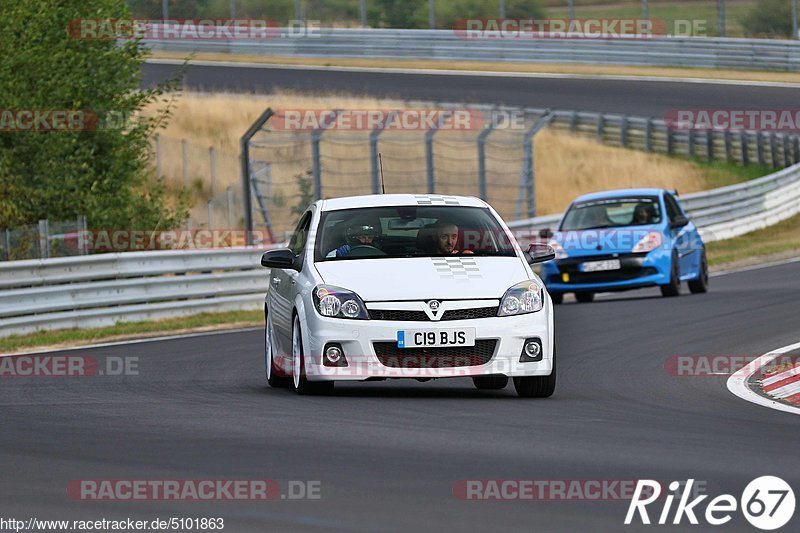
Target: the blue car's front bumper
(637, 270)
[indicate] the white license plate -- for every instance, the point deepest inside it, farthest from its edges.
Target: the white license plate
(595, 266)
(428, 338)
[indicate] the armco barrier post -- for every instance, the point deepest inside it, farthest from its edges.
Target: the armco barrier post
(785, 146)
(796, 148)
(623, 132)
(691, 141)
(760, 147)
(184, 164)
(573, 122)
(728, 146)
(600, 126)
(773, 149)
(744, 147)
(648, 135)
(710, 145)
(316, 166)
(670, 141)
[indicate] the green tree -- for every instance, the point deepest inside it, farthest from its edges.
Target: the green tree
(105, 172)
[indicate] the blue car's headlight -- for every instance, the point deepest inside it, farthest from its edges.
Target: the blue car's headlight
(335, 302)
(525, 297)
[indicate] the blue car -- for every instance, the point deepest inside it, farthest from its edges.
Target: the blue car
(625, 239)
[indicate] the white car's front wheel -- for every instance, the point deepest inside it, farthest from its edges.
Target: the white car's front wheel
(299, 382)
(537, 386)
(273, 378)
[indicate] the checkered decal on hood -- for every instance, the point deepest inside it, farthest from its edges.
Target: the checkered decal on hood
(457, 268)
(436, 199)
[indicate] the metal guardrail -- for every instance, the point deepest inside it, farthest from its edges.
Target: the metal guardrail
(100, 290)
(696, 52)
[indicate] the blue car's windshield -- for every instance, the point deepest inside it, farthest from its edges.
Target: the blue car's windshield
(612, 213)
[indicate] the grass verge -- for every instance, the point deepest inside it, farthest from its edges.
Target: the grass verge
(773, 243)
(65, 338)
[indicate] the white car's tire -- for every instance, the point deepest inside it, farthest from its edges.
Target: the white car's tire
(299, 382)
(537, 386)
(273, 379)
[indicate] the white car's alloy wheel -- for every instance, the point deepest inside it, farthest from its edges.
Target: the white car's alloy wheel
(297, 353)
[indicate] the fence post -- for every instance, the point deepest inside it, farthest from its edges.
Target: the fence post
(710, 145)
(44, 239)
(212, 155)
(600, 126)
(83, 230)
(744, 147)
(210, 207)
(244, 162)
(760, 147)
(157, 138)
(691, 140)
(482, 136)
(648, 135)
(316, 170)
(229, 203)
(623, 132)
(430, 169)
(573, 122)
(728, 146)
(8, 244)
(184, 166)
(527, 176)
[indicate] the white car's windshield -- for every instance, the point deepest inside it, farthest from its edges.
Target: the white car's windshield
(410, 231)
(612, 212)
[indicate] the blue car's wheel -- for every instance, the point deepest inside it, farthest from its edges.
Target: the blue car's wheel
(673, 288)
(700, 285)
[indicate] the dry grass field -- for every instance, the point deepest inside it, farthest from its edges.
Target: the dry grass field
(565, 165)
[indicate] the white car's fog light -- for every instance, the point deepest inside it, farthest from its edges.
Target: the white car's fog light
(333, 353)
(531, 351)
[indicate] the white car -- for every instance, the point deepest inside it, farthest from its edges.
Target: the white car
(407, 286)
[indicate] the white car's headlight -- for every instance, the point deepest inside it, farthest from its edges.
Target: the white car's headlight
(336, 302)
(648, 243)
(525, 297)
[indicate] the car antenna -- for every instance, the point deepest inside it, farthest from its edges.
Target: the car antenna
(380, 164)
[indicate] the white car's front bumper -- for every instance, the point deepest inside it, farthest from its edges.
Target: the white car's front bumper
(357, 338)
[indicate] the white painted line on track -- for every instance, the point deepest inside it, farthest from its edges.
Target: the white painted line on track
(135, 341)
(481, 73)
(737, 383)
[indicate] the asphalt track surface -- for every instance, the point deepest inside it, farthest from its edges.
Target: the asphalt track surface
(640, 98)
(387, 454)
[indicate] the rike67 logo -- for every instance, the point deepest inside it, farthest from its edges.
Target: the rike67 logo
(767, 503)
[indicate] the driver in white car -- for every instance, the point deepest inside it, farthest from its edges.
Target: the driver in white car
(358, 234)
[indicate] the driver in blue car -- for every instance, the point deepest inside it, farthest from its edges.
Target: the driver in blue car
(358, 234)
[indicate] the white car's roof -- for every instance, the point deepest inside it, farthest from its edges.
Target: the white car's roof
(376, 200)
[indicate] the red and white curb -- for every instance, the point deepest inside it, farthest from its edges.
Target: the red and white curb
(784, 385)
(781, 389)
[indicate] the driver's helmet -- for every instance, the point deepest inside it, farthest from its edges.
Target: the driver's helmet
(363, 229)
